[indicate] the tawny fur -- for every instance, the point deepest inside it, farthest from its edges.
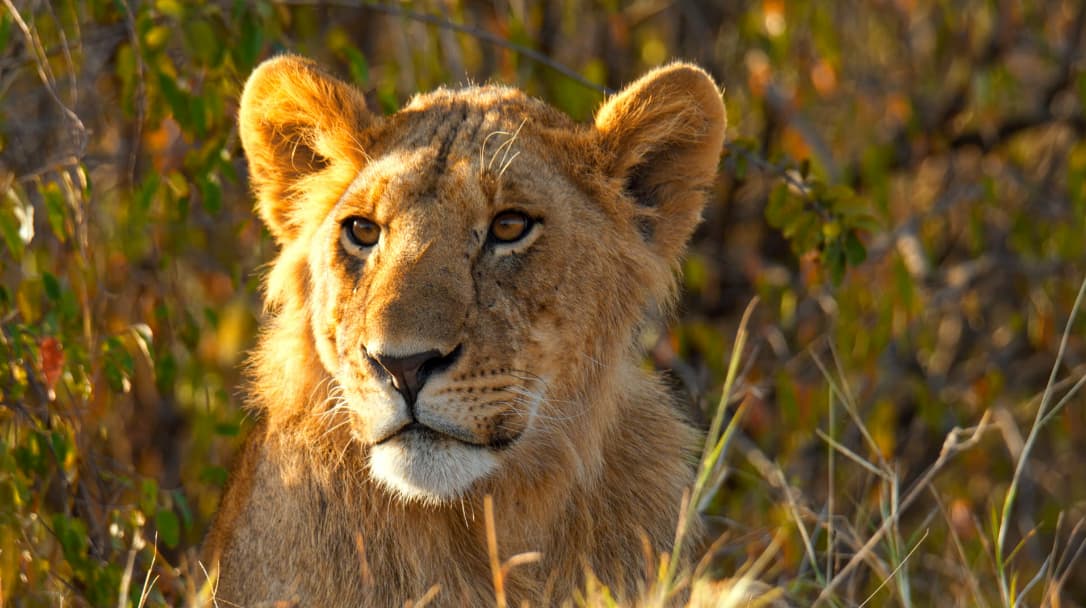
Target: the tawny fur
(585, 454)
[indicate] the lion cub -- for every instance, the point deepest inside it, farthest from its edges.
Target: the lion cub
(453, 313)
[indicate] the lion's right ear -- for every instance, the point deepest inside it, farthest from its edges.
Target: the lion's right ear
(663, 136)
(296, 121)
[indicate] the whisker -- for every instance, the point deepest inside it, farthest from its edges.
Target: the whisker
(506, 146)
(332, 429)
(507, 163)
(482, 150)
(593, 360)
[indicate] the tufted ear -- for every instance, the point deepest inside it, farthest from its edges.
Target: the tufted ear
(295, 122)
(662, 137)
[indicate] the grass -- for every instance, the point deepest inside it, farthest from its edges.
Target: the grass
(873, 551)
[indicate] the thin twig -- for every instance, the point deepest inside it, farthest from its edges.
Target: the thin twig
(45, 74)
(141, 90)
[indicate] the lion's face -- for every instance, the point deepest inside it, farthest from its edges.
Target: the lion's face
(448, 274)
(472, 266)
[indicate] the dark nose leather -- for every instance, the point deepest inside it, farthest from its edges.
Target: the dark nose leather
(410, 373)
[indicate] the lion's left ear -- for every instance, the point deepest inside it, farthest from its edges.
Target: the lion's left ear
(662, 136)
(295, 120)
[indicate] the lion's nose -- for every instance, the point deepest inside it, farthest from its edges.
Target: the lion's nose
(410, 373)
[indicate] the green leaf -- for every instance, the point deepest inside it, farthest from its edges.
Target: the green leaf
(197, 115)
(202, 41)
(386, 97)
(211, 195)
(171, 8)
(855, 253)
(802, 229)
(177, 99)
(782, 207)
(29, 457)
(9, 231)
(55, 210)
(51, 285)
(157, 37)
(148, 495)
(356, 64)
(5, 32)
(118, 364)
(165, 372)
(214, 475)
(248, 48)
(833, 258)
(212, 317)
(124, 65)
(60, 445)
(227, 429)
(739, 165)
(168, 526)
(72, 535)
(182, 505)
(146, 194)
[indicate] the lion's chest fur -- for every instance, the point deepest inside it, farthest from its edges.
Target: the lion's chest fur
(342, 541)
(345, 541)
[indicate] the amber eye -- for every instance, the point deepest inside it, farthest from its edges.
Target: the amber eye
(509, 226)
(361, 232)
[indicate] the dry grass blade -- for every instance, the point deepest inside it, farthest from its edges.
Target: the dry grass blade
(1031, 440)
(896, 569)
(970, 581)
(850, 406)
(952, 446)
(492, 552)
(148, 582)
(364, 571)
(793, 510)
(853, 456)
(715, 441)
(746, 585)
(208, 593)
(1056, 409)
(126, 577)
(1063, 564)
(426, 598)
(520, 559)
(831, 469)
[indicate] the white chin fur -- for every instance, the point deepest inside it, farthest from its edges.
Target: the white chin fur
(429, 470)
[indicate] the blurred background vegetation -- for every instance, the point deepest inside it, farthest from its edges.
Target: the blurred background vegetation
(904, 190)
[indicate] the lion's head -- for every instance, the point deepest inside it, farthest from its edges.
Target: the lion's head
(471, 271)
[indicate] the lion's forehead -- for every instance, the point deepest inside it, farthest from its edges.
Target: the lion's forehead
(461, 147)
